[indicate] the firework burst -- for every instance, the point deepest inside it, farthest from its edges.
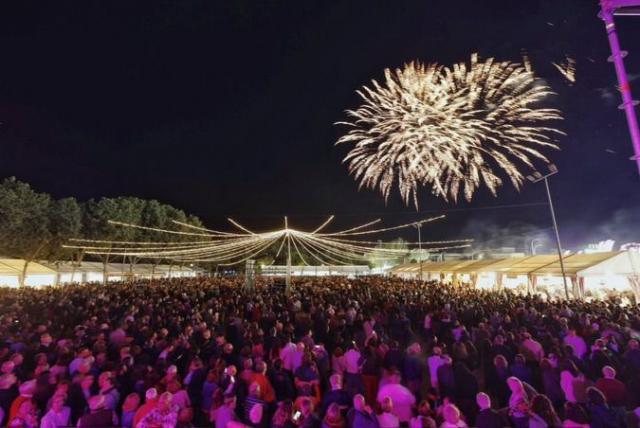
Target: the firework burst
(449, 128)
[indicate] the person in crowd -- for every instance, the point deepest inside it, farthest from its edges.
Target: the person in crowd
(601, 415)
(452, 417)
(99, 415)
(575, 416)
(614, 390)
(488, 417)
(129, 409)
(400, 396)
(542, 414)
(151, 400)
(361, 414)
(59, 415)
(165, 415)
(333, 417)
(387, 419)
(336, 395)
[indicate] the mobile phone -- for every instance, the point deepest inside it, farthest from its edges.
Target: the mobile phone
(296, 416)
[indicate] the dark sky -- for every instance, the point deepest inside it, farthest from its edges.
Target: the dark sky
(226, 107)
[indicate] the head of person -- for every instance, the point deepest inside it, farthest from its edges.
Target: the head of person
(165, 401)
(58, 401)
(151, 394)
(131, 403)
(87, 381)
(333, 413)
(359, 402)
(105, 380)
(306, 406)
(595, 397)
(542, 406)
(483, 401)
(261, 367)
(451, 414)
(609, 372)
(515, 385)
(173, 386)
(500, 362)
(424, 408)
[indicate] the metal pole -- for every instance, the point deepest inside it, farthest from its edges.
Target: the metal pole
(555, 228)
(617, 55)
(420, 248)
(288, 277)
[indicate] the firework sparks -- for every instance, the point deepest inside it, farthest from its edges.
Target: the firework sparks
(567, 68)
(448, 128)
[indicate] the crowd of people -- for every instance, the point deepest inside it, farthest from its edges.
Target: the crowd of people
(369, 352)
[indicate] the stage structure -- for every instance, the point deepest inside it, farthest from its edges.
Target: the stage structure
(194, 244)
(609, 8)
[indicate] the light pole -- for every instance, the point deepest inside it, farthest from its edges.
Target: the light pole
(535, 178)
(418, 225)
(535, 243)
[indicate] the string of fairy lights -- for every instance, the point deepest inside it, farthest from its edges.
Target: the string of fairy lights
(233, 248)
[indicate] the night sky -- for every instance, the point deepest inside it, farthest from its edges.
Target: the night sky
(226, 107)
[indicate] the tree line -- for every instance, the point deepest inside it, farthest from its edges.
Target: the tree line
(35, 226)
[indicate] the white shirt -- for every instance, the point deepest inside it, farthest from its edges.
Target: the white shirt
(54, 420)
(286, 355)
(403, 400)
(388, 420)
(578, 344)
(434, 362)
(352, 360)
(181, 399)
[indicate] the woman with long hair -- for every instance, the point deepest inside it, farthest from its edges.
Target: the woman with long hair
(602, 416)
(542, 413)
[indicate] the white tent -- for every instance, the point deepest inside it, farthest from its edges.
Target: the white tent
(37, 274)
(587, 275)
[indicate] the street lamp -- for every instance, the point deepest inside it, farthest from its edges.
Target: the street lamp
(535, 178)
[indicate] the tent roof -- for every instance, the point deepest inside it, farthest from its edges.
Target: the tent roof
(575, 263)
(15, 266)
(477, 265)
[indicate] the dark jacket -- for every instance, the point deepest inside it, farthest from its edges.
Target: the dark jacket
(100, 418)
(490, 418)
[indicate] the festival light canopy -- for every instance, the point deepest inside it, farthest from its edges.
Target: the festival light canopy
(232, 248)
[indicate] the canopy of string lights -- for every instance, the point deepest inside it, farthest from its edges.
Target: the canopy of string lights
(232, 248)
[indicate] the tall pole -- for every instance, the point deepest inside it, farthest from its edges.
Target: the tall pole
(287, 289)
(617, 55)
(420, 248)
(555, 228)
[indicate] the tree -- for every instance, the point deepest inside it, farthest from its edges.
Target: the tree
(24, 221)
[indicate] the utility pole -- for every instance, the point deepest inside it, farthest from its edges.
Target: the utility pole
(535, 178)
(608, 9)
(287, 289)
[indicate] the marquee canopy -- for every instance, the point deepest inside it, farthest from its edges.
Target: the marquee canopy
(544, 264)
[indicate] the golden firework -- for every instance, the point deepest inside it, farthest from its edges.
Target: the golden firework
(449, 128)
